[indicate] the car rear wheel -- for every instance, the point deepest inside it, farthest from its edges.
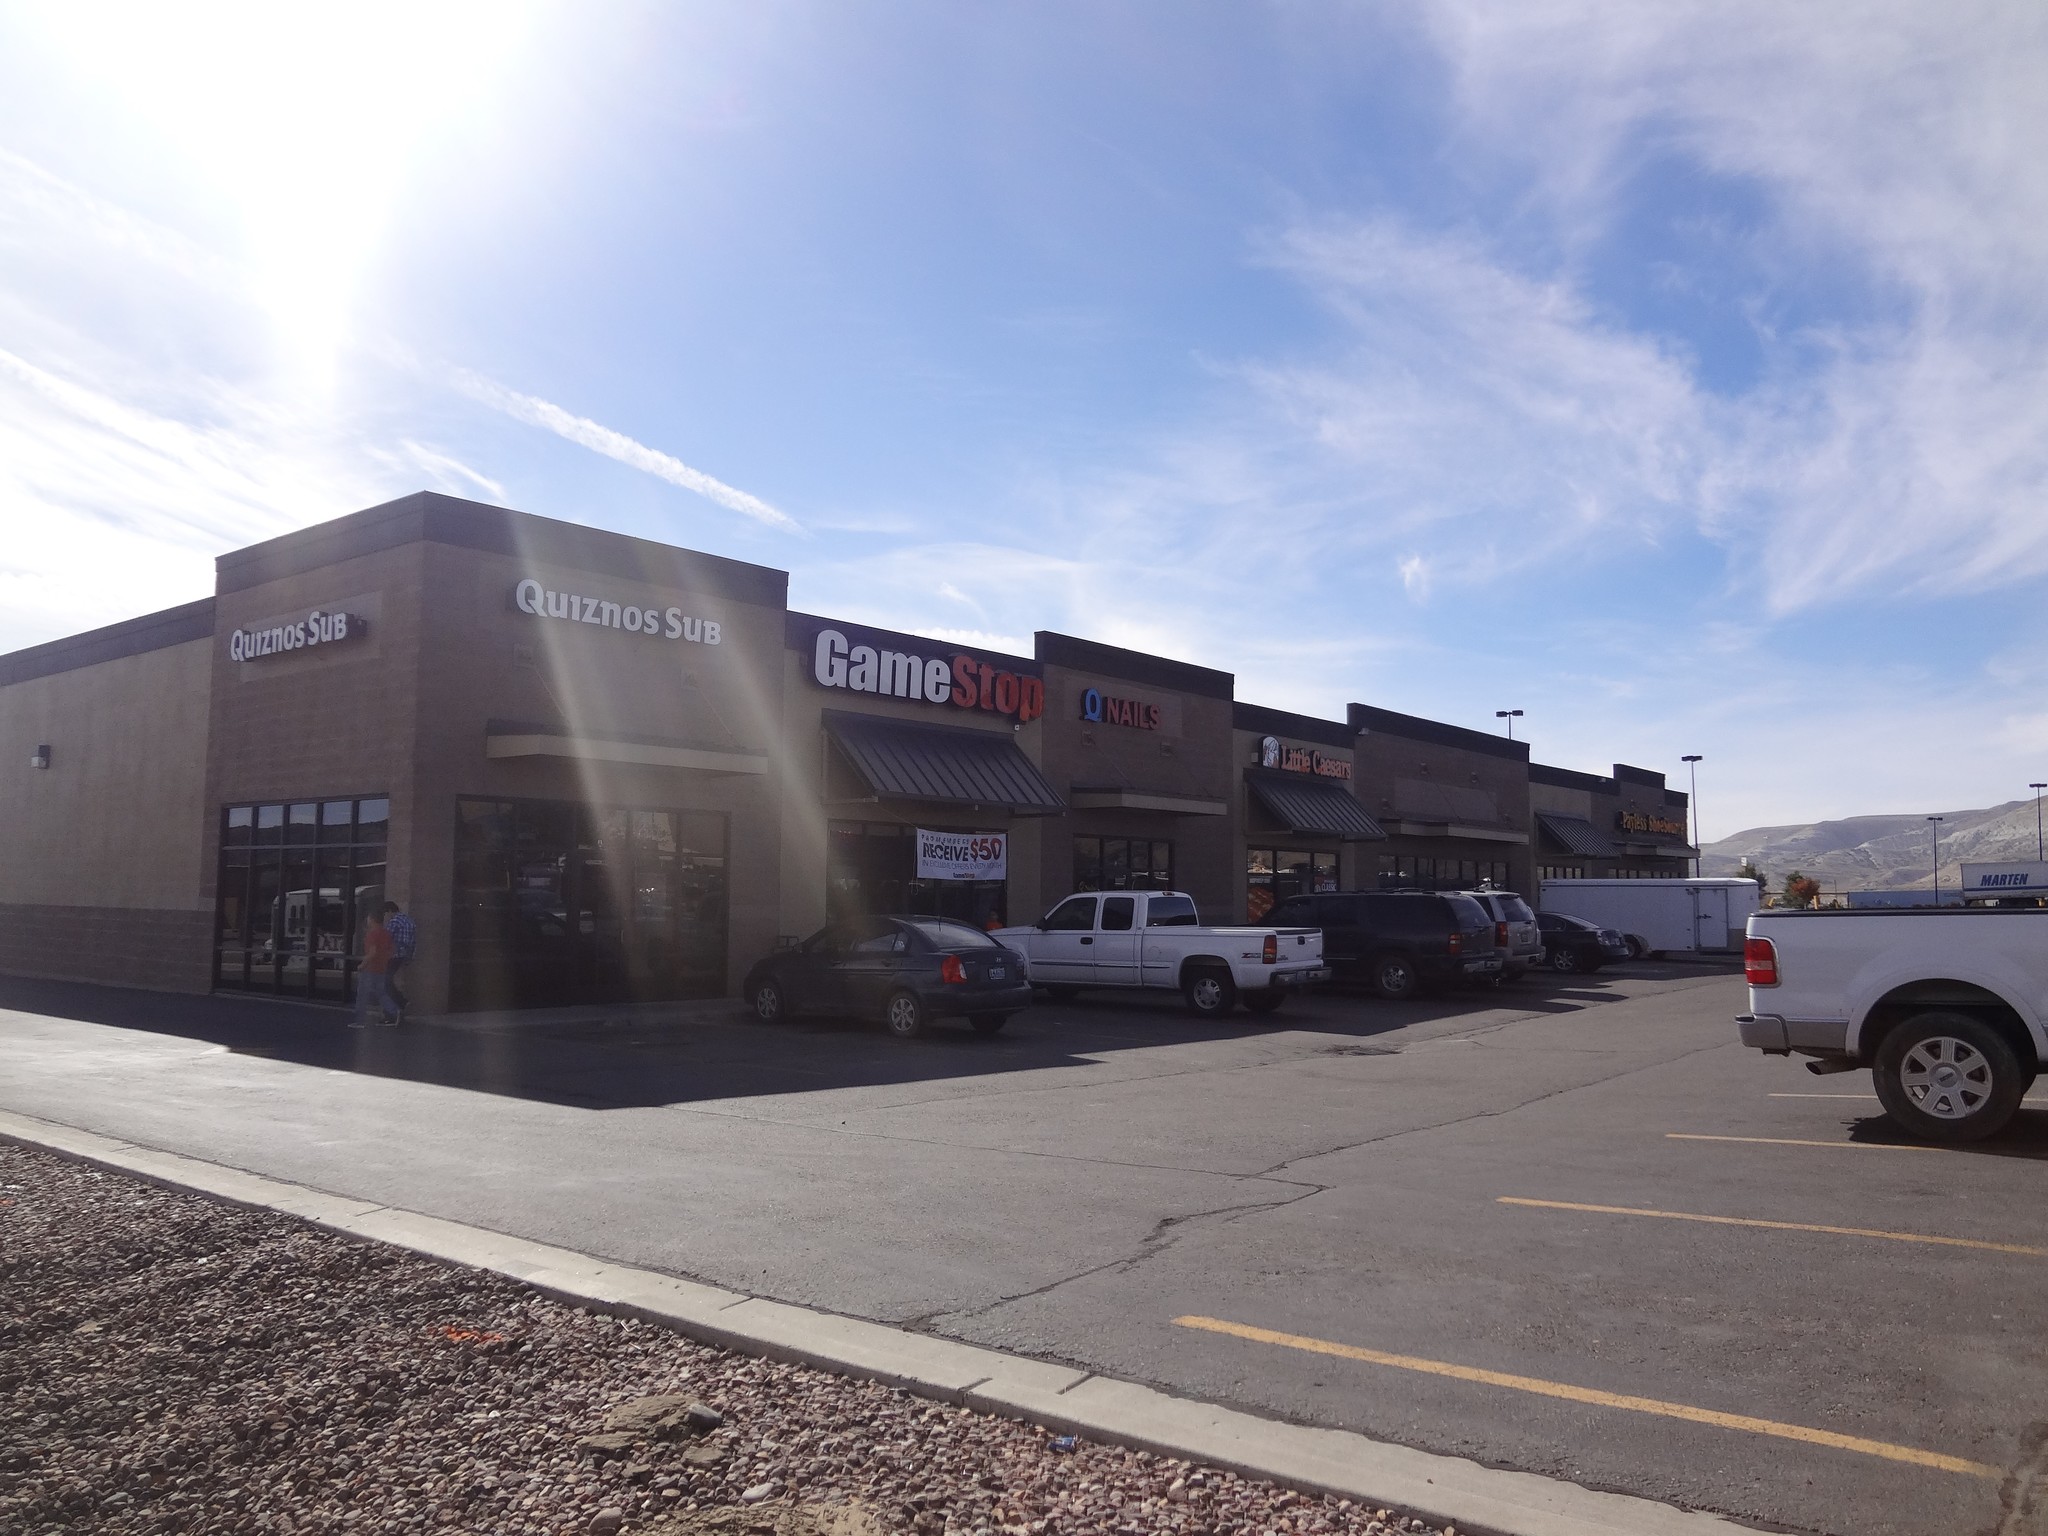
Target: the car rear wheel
(1636, 947)
(1948, 1077)
(1210, 993)
(1394, 977)
(988, 1023)
(769, 1007)
(904, 1015)
(1265, 1002)
(1566, 961)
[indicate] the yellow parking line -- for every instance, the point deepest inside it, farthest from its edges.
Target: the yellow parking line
(1780, 1226)
(1599, 1399)
(1782, 1141)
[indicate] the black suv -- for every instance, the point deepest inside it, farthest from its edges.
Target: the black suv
(1398, 942)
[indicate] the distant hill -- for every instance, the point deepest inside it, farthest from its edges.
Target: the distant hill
(1877, 853)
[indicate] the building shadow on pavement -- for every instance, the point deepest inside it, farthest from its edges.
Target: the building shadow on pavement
(638, 1057)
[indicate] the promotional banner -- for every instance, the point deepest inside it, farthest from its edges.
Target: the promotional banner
(962, 855)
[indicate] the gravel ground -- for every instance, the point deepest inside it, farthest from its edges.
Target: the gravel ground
(169, 1364)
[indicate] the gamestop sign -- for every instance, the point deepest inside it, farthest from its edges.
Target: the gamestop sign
(962, 855)
(897, 667)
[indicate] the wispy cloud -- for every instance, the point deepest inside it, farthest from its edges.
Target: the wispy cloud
(616, 445)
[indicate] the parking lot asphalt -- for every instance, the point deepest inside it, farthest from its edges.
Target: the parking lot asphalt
(1568, 1226)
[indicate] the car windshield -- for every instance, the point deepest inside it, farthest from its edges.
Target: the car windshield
(947, 934)
(1171, 912)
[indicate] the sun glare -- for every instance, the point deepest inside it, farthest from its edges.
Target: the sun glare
(305, 121)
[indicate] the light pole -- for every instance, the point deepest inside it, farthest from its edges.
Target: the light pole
(2039, 856)
(1692, 763)
(1511, 716)
(1934, 826)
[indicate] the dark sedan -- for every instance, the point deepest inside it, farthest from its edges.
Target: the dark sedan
(905, 971)
(1573, 944)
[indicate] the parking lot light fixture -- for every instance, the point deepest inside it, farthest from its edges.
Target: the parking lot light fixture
(1511, 716)
(2039, 856)
(1934, 826)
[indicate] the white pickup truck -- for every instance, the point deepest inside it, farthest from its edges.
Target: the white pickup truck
(1154, 939)
(1945, 1006)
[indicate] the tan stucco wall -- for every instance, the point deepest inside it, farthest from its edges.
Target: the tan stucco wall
(118, 819)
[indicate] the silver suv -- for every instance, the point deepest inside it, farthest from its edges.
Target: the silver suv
(1515, 931)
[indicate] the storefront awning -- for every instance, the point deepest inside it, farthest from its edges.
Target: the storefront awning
(1310, 806)
(1576, 835)
(909, 760)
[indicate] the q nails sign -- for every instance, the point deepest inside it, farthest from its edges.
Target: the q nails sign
(1636, 821)
(317, 629)
(898, 667)
(578, 608)
(1098, 708)
(1274, 753)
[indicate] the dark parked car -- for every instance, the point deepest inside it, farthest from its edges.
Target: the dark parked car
(1397, 942)
(1573, 944)
(905, 971)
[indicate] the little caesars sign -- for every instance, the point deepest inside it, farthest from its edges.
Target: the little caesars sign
(579, 608)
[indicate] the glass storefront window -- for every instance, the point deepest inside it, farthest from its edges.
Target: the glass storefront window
(291, 883)
(1274, 874)
(871, 868)
(1123, 864)
(556, 903)
(1412, 872)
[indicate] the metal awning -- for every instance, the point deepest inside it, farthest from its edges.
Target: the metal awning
(910, 760)
(1311, 806)
(1575, 834)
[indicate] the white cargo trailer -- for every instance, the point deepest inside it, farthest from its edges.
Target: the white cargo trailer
(1679, 917)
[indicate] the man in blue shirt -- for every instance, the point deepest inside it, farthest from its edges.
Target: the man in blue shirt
(404, 939)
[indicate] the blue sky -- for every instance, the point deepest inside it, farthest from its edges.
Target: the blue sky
(1677, 374)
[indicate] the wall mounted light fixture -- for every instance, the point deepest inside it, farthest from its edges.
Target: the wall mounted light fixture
(41, 757)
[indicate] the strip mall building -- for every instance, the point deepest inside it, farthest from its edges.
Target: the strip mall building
(597, 768)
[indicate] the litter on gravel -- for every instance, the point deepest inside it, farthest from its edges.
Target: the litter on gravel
(170, 1364)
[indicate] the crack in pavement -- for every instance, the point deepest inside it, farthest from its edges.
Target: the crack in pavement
(1165, 1232)
(2018, 1508)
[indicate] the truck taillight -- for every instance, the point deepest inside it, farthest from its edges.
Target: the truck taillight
(1457, 943)
(1272, 954)
(1500, 935)
(951, 972)
(1760, 962)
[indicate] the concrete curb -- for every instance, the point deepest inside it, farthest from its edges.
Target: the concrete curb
(1445, 1490)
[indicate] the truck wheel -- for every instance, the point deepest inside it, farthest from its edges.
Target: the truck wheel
(1210, 994)
(1265, 1001)
(1948, 1077)
(904, 1015)
(988, 1023)
(1394, 978)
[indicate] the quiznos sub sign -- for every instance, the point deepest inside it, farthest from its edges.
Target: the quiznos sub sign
(962, 680)
(318, 628)
(962, 855)
(581, 608)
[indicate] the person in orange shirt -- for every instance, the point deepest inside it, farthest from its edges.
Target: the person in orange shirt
(373, 974)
